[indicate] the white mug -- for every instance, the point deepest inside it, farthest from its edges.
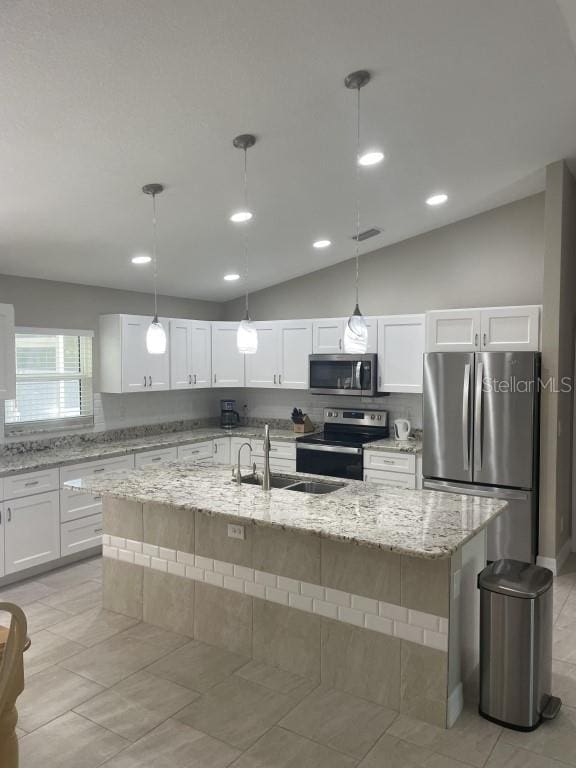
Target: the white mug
(402, 429)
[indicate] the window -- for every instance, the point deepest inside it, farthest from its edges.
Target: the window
(53, 381)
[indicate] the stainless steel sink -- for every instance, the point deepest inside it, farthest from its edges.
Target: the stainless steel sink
(316, 487)
(276, 481)
(289, 483)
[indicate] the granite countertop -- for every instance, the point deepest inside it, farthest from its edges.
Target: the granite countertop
(27, 461)
(390, 444)
(425, 524)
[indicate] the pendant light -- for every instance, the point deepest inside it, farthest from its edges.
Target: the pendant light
(356, 331)
(247, 335)
(155, 335)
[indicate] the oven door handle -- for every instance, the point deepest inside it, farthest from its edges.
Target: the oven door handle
(330, 448)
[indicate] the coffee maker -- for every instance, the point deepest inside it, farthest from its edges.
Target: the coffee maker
(229, 416)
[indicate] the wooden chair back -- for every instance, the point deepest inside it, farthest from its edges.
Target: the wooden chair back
(11, 682)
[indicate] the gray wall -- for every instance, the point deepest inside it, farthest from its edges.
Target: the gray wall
(558, 331)
(493, 259)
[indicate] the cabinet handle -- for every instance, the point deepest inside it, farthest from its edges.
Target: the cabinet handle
(31, 483)
(215, 447)
(194, 378)
(97, 498)
(274, 378)
(279, 378)
(97, 530)
(214, 378)
(484, 339)
(102, 469)
(475, 339)
(189, 378)
(150, 381)
(365, 478)
(144, 380)
(379, 381)
(9, 515)
(340, 344)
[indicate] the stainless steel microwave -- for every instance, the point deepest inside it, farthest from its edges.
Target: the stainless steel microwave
(343, 375)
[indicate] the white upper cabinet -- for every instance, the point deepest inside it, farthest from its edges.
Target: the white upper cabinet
(190, 354)
(493, 329)
(453, 330)
(505, 329)
(262, 367)
(7, 352)
(227, 362)
(294, 349)
(125, 363)
(328, 336)
(201, 354)
(400, 353)
(282, 357)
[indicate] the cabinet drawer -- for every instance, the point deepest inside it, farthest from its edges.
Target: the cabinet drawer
(31, 482)
(75, 505)
(276, 464)
(80, 534)
(155, 457)
(91, 468)
(390, 479)
(278, 449)
(196, 451)
(390, 462)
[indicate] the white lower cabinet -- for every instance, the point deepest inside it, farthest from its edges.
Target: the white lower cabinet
(79, 535)
(221, 450)
(155, 457)
(394, 470)
(75, 505)
(2, 521)
(31, 531)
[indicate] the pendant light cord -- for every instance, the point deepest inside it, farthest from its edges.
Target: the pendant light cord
(155, 256)
(245, 238)
(357, 250)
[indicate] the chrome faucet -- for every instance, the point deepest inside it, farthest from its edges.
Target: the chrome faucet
(266, 446)
(238, 476)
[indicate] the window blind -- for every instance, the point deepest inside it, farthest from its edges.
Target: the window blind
(53, 381)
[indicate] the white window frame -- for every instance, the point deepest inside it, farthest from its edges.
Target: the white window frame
(61, 424)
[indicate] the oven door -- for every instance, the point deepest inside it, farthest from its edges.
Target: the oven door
(343, 374)
(332, 460)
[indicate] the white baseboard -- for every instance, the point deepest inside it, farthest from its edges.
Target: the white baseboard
(555, 563)
(455, 705)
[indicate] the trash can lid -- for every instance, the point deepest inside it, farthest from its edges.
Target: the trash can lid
(517, 579)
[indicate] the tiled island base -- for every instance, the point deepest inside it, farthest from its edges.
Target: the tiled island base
(369, 622)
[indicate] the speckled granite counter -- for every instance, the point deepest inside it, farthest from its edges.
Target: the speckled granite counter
(389, 444)
(11, 463)
(417, 523)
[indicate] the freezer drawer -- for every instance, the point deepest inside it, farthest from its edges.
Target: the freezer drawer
(514, 533)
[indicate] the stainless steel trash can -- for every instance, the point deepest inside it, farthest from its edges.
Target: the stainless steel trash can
(516, 644)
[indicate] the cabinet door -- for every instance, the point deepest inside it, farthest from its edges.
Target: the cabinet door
(262, 369)
(2, 527)
(327, 336)
(227, 362)
(134, 354)
(201, 354)
(158, 366)
(453, 330)
(400, 353)
(221, 450)
(7, 352)
(511, 329)
(32, 531)
(294, 347)
(180, 354)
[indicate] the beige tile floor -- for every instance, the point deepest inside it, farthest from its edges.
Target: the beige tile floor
(102, 689)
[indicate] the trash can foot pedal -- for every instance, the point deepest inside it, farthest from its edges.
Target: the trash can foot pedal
(552, 708)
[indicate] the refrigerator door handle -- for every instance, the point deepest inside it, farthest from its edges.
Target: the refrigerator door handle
(507, 494)
(478, 418)
(466, 417)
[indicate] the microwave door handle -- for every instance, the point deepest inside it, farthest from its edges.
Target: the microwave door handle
(466, 417)
(478, 418)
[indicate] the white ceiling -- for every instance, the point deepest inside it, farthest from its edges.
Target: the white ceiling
(98, 98)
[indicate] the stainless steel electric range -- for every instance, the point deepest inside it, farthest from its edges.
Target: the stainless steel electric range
(337, 450)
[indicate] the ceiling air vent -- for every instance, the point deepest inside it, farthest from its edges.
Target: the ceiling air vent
(367, 234)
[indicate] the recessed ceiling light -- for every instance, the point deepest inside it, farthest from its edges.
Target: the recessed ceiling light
(240, 216)
(231, 277)
(321, 243)
(371, 158)
(437, 199)
(141, 259)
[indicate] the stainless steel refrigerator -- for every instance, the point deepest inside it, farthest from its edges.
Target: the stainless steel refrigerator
(481, 419)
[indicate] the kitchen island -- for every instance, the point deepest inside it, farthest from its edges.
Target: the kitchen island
(368, 590)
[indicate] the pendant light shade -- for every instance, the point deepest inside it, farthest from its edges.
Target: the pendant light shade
(356, 331)
(156, 340)
(247, 335)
